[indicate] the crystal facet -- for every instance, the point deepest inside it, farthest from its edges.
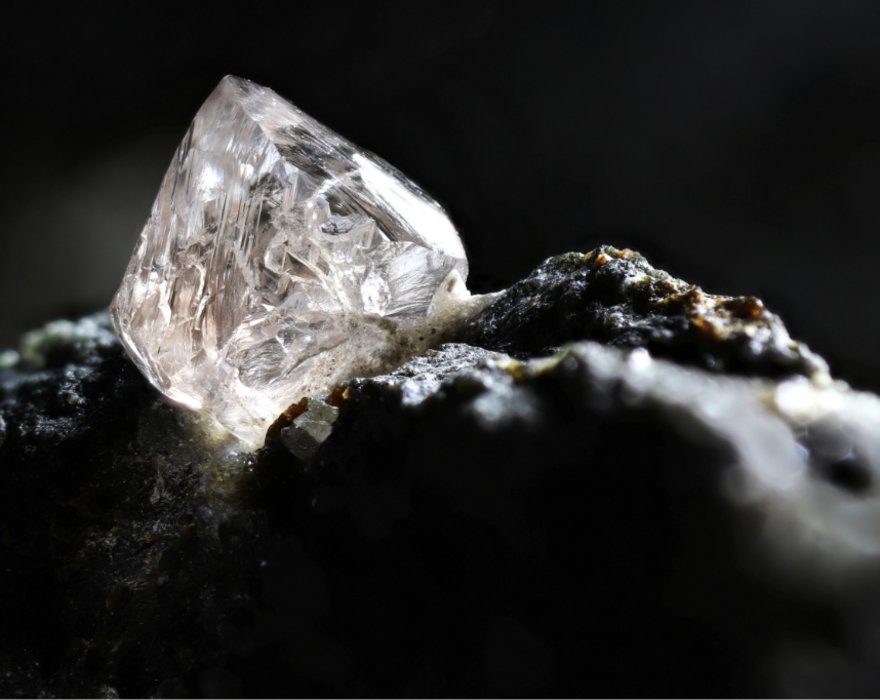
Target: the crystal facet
(279, 259)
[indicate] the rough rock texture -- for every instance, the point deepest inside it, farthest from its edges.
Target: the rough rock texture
(601, 521)
(616, 297)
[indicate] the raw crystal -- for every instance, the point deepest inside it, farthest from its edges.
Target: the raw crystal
(280, 259)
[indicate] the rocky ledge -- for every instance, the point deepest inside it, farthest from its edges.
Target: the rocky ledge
(614, 484)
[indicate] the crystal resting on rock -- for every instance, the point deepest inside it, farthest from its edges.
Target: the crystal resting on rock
(280, 259)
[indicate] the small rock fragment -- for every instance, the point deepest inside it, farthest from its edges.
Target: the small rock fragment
(309, 429)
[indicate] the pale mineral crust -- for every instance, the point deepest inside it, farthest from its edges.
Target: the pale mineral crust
(279, 259)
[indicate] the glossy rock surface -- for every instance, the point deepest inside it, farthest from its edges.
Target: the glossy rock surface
(278, 260)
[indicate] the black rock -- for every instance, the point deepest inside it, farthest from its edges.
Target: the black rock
(616, 297)
(595, 522)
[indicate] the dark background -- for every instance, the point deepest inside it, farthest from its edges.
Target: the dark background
(734, 143)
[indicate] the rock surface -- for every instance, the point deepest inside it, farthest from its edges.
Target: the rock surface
(667, 512)
(616, 297)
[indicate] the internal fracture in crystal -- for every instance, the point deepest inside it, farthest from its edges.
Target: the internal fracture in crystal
(280, 259)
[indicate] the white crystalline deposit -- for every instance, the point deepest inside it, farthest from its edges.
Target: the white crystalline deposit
(280, 259)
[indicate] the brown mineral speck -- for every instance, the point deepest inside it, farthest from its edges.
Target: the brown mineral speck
(704, 325)
(338, 396)
(745, 308)
(290, 414)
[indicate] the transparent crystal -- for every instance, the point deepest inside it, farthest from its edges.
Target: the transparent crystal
(279, 259)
